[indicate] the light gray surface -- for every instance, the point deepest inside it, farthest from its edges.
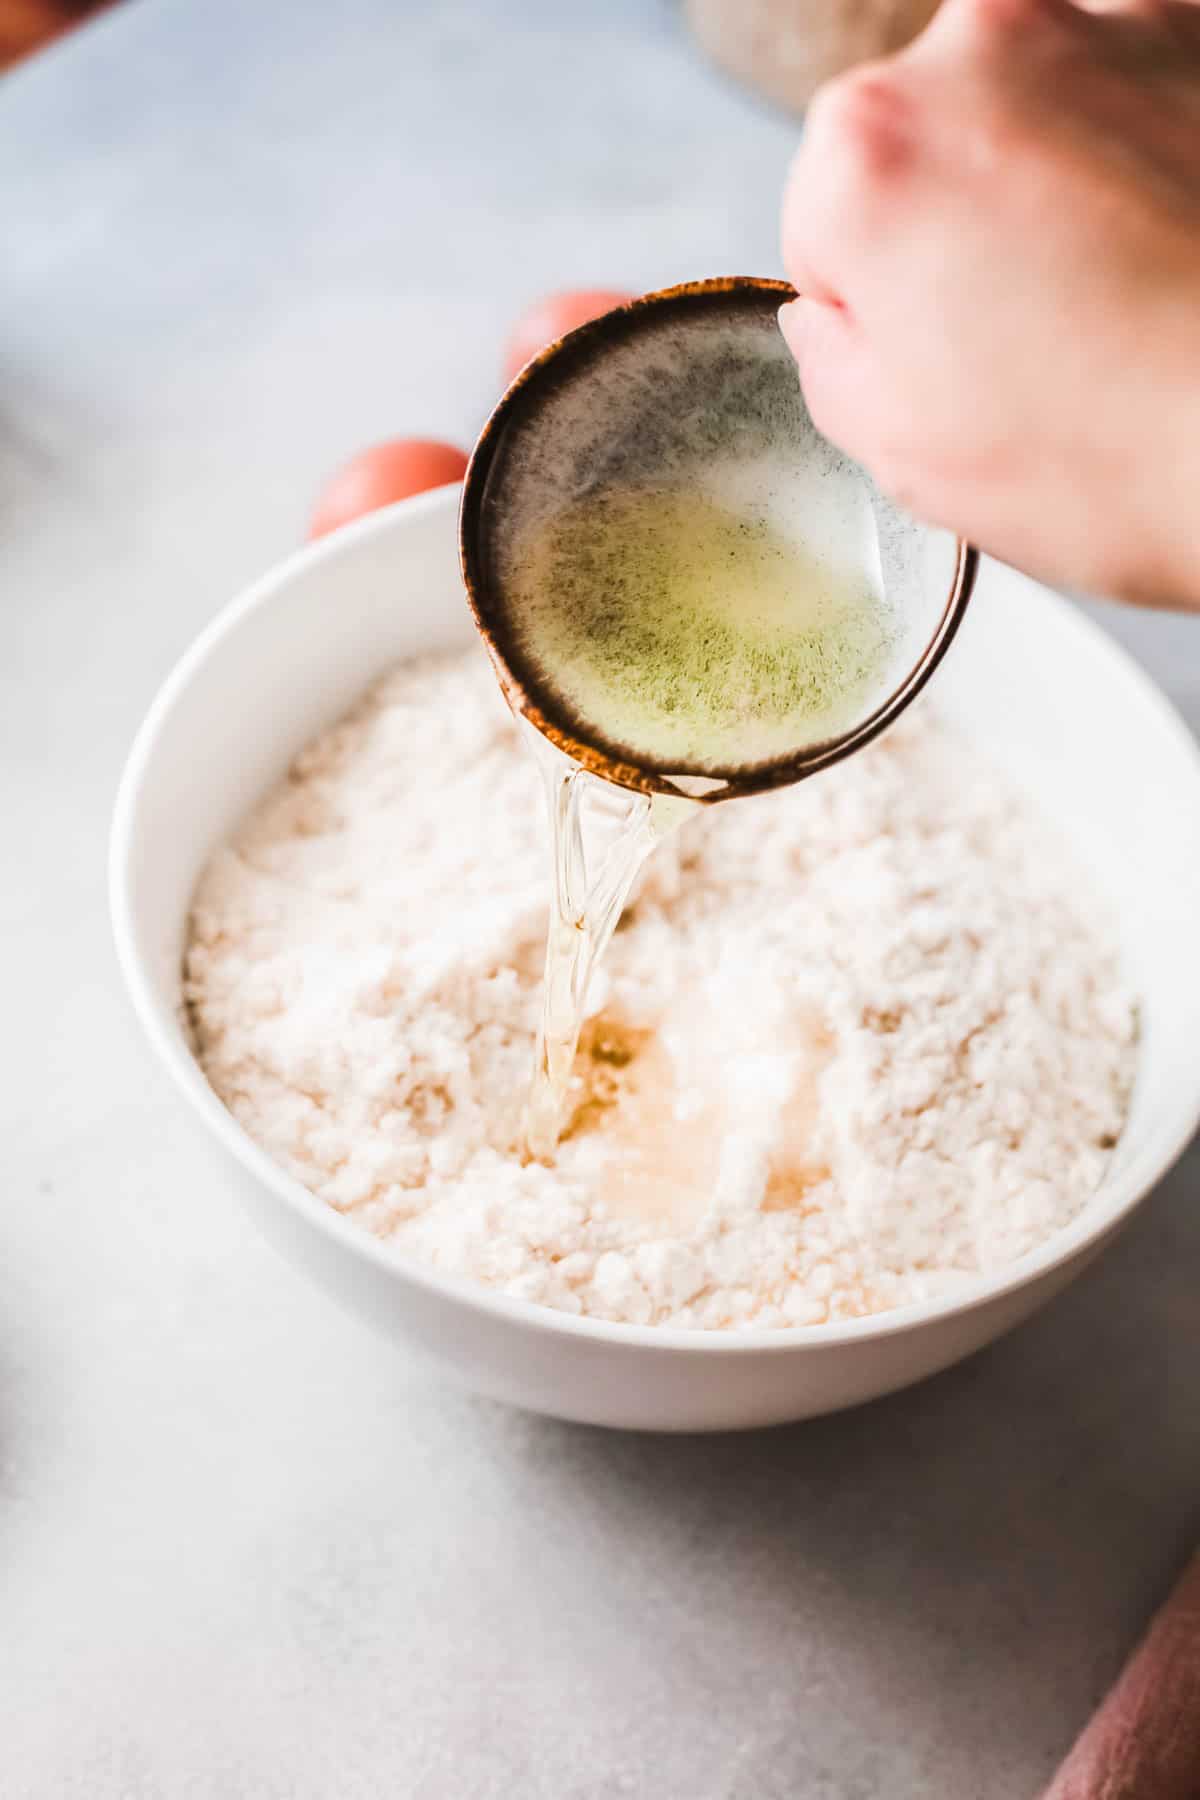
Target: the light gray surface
(246, 1550)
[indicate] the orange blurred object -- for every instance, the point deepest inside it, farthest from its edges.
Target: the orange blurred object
(25, 25)
(385, 472)
(552, 317)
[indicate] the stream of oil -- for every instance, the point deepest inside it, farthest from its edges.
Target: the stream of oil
(600, 836)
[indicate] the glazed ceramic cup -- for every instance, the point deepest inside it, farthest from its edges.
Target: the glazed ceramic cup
(692, 389)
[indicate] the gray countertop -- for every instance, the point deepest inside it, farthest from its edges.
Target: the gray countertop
(245, 1548)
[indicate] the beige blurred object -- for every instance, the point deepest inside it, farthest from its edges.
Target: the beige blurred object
(787, 48)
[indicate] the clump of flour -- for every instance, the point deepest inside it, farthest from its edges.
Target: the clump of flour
(853, 1043)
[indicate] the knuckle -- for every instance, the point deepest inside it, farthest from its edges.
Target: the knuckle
(865, 116)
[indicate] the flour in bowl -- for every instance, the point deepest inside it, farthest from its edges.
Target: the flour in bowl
(853, 1043)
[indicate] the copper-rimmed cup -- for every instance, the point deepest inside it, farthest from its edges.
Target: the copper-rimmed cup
(663, 391)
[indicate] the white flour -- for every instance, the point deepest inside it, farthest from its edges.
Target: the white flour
(855, 1041)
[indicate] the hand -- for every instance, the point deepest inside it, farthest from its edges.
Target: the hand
(996, 236)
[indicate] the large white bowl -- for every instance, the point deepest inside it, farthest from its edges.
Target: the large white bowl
(1046, 694)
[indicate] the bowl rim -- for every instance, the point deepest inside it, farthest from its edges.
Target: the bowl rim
(1089, 1228)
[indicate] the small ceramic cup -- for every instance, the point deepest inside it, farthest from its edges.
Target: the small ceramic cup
(664, 390)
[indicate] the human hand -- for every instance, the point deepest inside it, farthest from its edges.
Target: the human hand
(996, 237)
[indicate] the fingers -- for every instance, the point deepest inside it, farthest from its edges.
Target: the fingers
(816, 334)
(859, 146)
(805, 257)
(833, 365)
(850, 190)
(1016, 30)
(852, 407)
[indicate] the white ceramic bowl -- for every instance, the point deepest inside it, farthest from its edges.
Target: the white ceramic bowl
(1044, 693)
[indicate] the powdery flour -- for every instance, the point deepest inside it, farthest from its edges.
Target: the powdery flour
(853, 1042)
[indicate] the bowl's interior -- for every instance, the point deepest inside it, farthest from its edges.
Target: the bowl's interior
(1032, 682)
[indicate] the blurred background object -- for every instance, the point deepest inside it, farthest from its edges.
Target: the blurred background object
(784, 48)
(787, 48)
(25, 25)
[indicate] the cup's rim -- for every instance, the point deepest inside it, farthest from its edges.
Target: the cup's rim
(529, 700)
(161, 1023)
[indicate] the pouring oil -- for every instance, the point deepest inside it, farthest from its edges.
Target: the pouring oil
(689, 635)
(600, 836)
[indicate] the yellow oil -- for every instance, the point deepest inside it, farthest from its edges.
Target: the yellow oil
(596, 852)
(694, 636)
